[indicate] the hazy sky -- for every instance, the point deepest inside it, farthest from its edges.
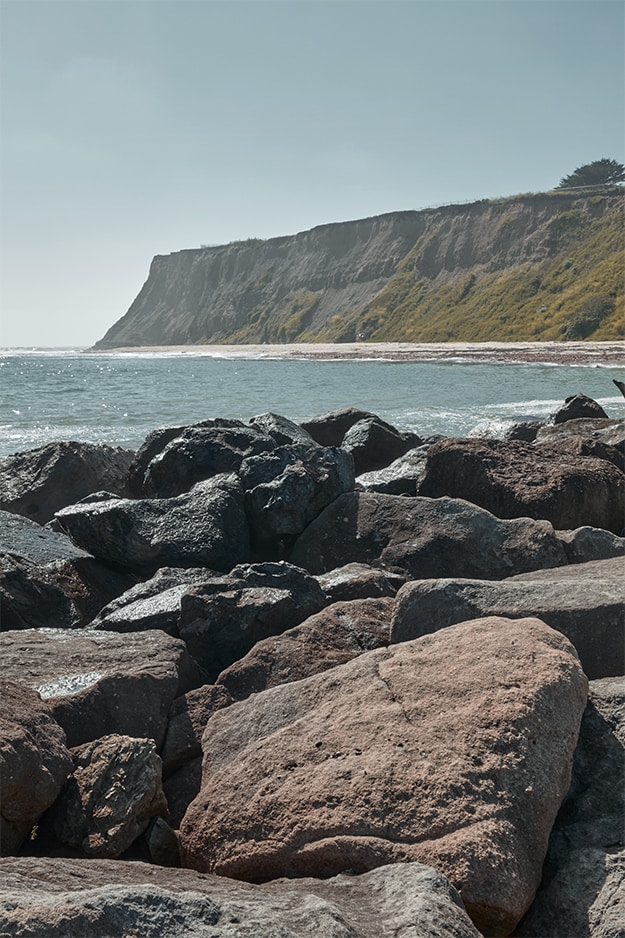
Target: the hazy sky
(139, 127)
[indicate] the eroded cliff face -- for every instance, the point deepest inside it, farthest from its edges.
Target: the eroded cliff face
(417, 276)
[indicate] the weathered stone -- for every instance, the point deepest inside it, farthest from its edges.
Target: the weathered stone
(359, 581)
(520, 480)
(282, 430)
(113, 793)
(30, 598)
(576, 407)
(104, 898)
(188, 717)
(401, 477)
(34, 762)
(526, 431)
(611, 432)
(585, 602)
(162, 843)
(587, 544)
(89, 584)
(330, 428)
(454, 749)
(374, 444)
(181, 788)
(587, 446)
(40, 482)
(24, 538)
(331, 637)
(205, 527)
(583, 887)
(221, 627)
(98, 683)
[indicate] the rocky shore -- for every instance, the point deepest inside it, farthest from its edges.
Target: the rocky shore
(325, 679)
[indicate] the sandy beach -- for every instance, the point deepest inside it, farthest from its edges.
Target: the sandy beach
(557, 353)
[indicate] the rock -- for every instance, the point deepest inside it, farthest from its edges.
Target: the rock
(586, 544)
(99, 683)
(113, 793)
(181, 788)
(329, 429)
(104, 898)
(206, 527)
(333, 636)
(454, 750)
(611, 432)
(89, 585)
(221, 627)
(583, 887)
(188, 717)
(162, 843)
(359, 581)
(519, 480)
(288, 488)
(587, 446)
(585, 602)
(578, 406)
(40, 482)
(283, 431)
(199, 453)
(375, 444)
(29, 597)
(402, 477)
(21, 537)
(426, 537)
(525, 431)
(34, 762)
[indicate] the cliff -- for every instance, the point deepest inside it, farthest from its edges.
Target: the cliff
(536, 267)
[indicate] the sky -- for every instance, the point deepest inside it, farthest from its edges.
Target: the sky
(130, 128)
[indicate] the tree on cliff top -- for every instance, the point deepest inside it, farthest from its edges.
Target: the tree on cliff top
(600, 173)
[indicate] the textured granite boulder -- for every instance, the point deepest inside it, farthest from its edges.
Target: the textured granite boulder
(374, 444)
(521, 480)
(359, 581)
(113, 793)
(188, 717)
(205, 527)
(282, 430)
(89, 584)
(333, 636)
(21, 537)
(611, 432)
(585, 602)
(402, 477)
(106, 898)
(30, 597)
(34, 762)
(576, 407)
(40, 482)
(587, 446)
(98, 683)
(330, 428)
(583, 887)
(454, 750)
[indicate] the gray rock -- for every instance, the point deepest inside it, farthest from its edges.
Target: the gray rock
(21, 537)
(330, 428)
(105, 898)
(285, 432)
(611, 432)
(205, 527)
(401, 477)
(578, 406)
(586, 446)
(30, 597)
(375, 444)
(188, 717)
(526, 431)
(359, 581)
(181, 788)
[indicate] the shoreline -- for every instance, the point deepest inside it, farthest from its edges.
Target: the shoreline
(553, 353)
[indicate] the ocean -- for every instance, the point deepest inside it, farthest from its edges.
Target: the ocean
(118, 398)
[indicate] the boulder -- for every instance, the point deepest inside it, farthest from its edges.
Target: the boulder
(21, 537)
(40, 482)
(333, 636)
(577, 407)
(585, 602)
(206, 527)
(526, 431)
(454, 749)
(220, 627)
(520, 480)
(330, 428)
(587, 446)
(583, 887)
(401, 477)
(181, 788)
(34, 762)
(30, 598)
(375, 444)
(359, 581)
(89, 584)
(188, 717)
(99, 683)
(611, 432)
(102, 898)
(283, 431)
(113, 793)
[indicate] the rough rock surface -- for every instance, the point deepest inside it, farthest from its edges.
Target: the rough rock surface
(587, 446)
(89, 584)
(34, 762)
(577, 407)
(454, 749)
(520, 480)
(30, 598)
(585, 602)
(359, 581)
(374, 444)
(333, 636)
(181, 788)
(113, 793)
(106, 898)
(329, 429)
(402, 477)
(22, 537)
(611, 432)
(284, 431)
(40, 482)
(205, 527)
(98, 683)
(583, 887)
(188, 717)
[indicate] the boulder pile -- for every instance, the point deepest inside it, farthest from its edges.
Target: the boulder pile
(327, 679)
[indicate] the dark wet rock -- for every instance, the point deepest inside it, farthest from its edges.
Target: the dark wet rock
(375, 444)
(611, 432)
(330, 428)
(105, 897)
(584, 601)
(288, 488)
(520, 480)
(331, 637)
(205, 527)
(283, 431)
(583, 887)
(34, 762)
(40, 482)
(359, 581)
(525, 431)
(98, 683)
(220, 627)
(22, 537)
(402, 477)
(181, 788)
(188, 717)
(31, 599)
(577, 407)
(113, 793)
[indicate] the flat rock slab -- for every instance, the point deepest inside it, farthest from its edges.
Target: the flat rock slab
(454, 749)
(22, 537)
(583, 601)
(104, 898)
(97, 683)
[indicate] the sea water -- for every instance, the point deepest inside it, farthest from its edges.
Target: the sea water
(118, 398)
